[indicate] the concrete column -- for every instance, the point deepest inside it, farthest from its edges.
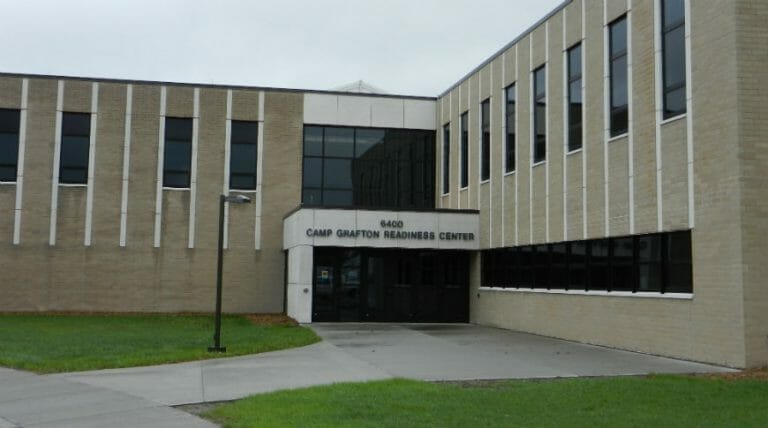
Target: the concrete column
(299, 299)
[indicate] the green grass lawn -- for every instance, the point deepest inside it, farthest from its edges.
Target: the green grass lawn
(64, 343)
(673, 401)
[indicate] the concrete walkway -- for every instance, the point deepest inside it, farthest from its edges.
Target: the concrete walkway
(29, 400)
(350, 352)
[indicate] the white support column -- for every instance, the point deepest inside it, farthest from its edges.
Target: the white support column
(517, 148)
(547, 145)
(126, 164)
(532, 136)
(20, 165)
(630, 122)
(503, 99)
(566, 121)
(659, 113)
(490, 157)
(56, 161)
(193, 167)
(160, 162)
(227, 157)
(606, 118)
(460, 154)
(689, 116)
(259, 173)
(91, 164)
(584, 48)
(452, 134)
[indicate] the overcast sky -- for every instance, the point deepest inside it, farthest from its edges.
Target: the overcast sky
(413, 47)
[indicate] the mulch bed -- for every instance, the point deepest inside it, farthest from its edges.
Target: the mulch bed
(272, 319)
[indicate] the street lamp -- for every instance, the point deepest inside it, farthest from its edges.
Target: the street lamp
(235, 199)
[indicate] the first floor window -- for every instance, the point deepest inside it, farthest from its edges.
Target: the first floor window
(178, 152)
(9, 144)
(75, 148)
(243, 155)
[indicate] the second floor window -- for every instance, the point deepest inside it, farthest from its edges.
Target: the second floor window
(540, 115)
(243, 155)
(464, 173)
(178, 152)
(9, 144)
(575, 118)
(485, 140)
(75, 147)
(619, 111)
(509, 149)
(446, 158)
(673, 55)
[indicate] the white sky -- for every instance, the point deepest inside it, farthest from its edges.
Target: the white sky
(412, 47)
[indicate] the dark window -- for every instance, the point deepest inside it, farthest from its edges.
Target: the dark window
(9, 144)
(679, 276)
(75, 145)
(243, 155)
(658, 263)
(368, 167)
(485, 142)
(673, 57)
(619, 114)
(178, 152)
(575, 115)
(464, 150)
(446, 158)
(509, 160)
(540, 115)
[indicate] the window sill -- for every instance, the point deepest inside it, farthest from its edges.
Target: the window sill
(673, 119)
(442, 195)
(254, 191)
(639, 294)
(7, 183)
(508, 173)
(74, 185)
(535, 164)
(573, 152)
(486, 181)
(618, 137)
(180, 189)
(463, 189)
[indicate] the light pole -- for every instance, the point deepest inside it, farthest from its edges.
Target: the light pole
(235, 199)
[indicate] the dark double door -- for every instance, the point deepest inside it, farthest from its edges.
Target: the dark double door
(390, 285)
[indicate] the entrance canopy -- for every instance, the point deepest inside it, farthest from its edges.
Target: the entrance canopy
(308, 228)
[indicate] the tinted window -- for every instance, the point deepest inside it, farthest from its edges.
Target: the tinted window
(574, 98)
(619, 111)
(368, 167)
(509, 159)
(446, 158)
(540, 115)
(75, 144)
(464, 150)
(485, 142)
(178, 152)
(243, 155)
(9, 144)
(673, 57)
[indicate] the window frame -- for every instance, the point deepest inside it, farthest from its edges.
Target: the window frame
(539, 102)
(621, 111)
(171, 139)
(464, 150)
(667, 29)
(485, 140)
(510, 139)
(83, 165)
(446, 159)
(12, 131)
(232, 146)
(575, 129)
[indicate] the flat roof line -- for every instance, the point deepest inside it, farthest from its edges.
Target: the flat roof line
(214, 86)
(507, 46)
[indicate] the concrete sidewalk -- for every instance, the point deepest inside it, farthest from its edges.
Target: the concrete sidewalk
(360, 352)
(29, 400)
